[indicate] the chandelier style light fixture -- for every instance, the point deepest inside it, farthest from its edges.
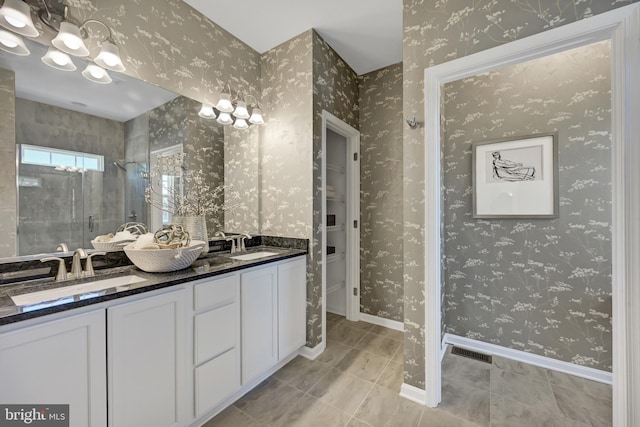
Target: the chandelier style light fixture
(233, 111)
(16, 22)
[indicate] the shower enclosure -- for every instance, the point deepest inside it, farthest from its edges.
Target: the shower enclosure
(66, 197)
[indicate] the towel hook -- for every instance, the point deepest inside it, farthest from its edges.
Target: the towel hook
(413, 124)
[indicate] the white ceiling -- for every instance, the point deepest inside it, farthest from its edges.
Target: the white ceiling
(367, 34)
(122, 100)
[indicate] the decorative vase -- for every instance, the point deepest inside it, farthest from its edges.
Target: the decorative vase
(196, 225)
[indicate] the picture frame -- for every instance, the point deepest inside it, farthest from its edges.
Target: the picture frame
(516, 177)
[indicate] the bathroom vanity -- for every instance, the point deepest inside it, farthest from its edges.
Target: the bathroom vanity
(171, 349)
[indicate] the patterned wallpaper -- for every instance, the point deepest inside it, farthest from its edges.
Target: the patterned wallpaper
(381, 124)
(202, 140)
(541, 286)
(8, 209)
(437, 31)
(300, 78)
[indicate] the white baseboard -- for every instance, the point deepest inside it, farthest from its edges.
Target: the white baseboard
(312, 353)
(381, 321)
(530, 358)
(413, 393)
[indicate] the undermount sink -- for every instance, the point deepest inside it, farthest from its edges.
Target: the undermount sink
(81, 288)
(254, 255)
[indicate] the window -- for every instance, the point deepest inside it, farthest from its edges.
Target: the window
(60, 159)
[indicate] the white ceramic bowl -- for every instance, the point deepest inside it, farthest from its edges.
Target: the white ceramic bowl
(109, 246)
(164, 260)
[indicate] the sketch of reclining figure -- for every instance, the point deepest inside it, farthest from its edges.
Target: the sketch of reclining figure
(507, 170)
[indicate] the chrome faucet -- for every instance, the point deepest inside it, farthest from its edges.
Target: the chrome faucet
(62, 247)
(241, 238)
(76, 266)
(233, 243)
(220, 233)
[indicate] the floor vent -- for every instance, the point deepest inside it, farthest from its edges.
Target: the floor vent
(471, 354)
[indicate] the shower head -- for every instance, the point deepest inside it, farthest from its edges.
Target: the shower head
(121, 166)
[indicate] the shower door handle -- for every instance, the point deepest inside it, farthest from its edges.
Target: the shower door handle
(91, 223)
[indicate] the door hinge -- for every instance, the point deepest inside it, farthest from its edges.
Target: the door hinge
(355, 157)
(355, 223)
(355, 292)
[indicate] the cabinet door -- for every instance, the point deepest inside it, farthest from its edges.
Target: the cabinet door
(59, 362)
(259, 322)
(147, 362)
(292, 307)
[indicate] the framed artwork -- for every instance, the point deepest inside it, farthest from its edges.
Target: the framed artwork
(516, 177)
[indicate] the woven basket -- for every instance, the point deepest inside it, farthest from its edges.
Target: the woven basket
(109, 246)
(164, 260)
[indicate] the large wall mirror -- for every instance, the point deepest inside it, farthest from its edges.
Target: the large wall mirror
(83, 152)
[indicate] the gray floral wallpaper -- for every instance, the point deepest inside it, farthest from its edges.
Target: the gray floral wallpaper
(381, 124)
(437, 31)
(542, 286)
(177, 122)
(8, 209)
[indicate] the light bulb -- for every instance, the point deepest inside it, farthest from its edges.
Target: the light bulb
(206, 112)
(15, 22)
(96, 74)
(58, 60)
(69, 40)
(225, 119)
(224, 103)
(109, 57)
(256, 117)
(10, 43)
(241, 110)
(241, 124)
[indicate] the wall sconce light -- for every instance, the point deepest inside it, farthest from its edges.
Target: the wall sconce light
(234, 111)
(15, 16)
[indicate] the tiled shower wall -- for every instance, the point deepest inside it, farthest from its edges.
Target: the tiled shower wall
(8, 209)
(536, 285)
(381, 126)
(435, 32)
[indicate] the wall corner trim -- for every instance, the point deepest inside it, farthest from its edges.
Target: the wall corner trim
(413, 393)
(312, 353)
(381, 321)
(529, 358)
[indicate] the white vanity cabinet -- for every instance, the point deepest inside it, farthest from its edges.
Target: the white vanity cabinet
(60, 361)
(216, 341)
(147, 361)
(292, 306)
(259, 295)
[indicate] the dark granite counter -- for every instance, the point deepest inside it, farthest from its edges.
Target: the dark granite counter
(212, 264)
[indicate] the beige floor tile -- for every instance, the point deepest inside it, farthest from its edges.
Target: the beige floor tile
(231, 416)
(380, 345)
(524, 389)
(515, 367)
(363, 326)
(355, 422)
(344, 334)
(311, 412)
(269, 401)
(341, 390)
(592, 388)
(398, 356)
(440, 418)
(583, 407)
(384, 408)
(392, 376)
(333, 353)
(466, 402)
(466, 371)
(363, 364)
(508, 413)
(301, 373)
(388, 332)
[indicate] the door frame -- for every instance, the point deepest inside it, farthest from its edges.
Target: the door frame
(622, 27)
(352, 255)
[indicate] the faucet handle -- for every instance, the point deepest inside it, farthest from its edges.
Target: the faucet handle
(88, 268)
(62, 268)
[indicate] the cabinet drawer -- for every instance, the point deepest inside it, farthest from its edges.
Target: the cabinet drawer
(215, 332)
(215, 292)
(216, 380)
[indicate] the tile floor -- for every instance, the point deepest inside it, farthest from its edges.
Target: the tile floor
(356, 381)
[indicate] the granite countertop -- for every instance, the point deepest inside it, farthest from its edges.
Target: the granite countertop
(210, 265)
